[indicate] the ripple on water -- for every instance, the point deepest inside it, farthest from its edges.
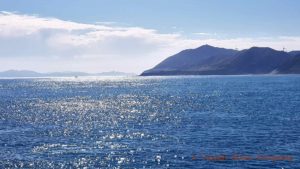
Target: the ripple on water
(148, 122)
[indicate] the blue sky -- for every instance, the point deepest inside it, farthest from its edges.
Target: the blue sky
(144, 31)
(230, 17)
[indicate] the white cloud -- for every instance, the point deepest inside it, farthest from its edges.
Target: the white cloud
(50, 44)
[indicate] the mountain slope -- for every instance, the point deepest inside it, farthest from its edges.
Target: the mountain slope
(256, 60)
(208, 60)
(28, 73)
(292, 66)
(19, 73)
(192, 60)
(294, 53)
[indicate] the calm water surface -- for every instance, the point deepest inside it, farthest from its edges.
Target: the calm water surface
(150, 122)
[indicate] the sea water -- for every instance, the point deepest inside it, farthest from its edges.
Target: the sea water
(151, 122)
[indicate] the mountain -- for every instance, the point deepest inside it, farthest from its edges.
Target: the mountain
(28, 73)
(20, 73)
(209, 60)
(256, 61)
(294, 53)
(291, 66)
(192, 61)
(193, 58)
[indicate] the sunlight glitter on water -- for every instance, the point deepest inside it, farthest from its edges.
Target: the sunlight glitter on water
(147, 122)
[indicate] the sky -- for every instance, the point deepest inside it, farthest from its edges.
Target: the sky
(135, 35)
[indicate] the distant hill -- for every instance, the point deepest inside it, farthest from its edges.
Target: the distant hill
(193, 59)
(209, 60)
(28, 73)
(292, 65)
(20, 73)
(294, 53)
(256, 61)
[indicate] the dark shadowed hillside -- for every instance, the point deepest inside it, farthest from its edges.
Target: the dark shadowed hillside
(294, 53)
(192, 59)
(256, 61)
(209, 60)
(291, 66)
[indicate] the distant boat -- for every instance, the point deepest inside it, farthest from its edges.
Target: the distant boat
(75, 77)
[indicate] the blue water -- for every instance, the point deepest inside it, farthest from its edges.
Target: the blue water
(150, 122)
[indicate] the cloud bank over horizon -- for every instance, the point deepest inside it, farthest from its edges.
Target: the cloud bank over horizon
(51, 44)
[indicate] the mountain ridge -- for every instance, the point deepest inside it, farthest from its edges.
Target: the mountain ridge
(30, 73)
(210, 60)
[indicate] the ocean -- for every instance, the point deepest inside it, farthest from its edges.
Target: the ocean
(151, 122)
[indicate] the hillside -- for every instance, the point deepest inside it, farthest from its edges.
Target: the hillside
(209, 60)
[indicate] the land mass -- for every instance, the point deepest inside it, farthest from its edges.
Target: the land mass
(29, 73)
(209, 60)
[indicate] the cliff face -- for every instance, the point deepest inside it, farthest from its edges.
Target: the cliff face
(209, 60)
